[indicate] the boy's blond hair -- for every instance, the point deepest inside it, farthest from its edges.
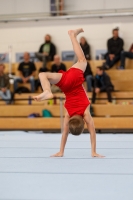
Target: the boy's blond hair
(76, 125)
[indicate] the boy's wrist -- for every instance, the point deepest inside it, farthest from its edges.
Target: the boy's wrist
(62, 152)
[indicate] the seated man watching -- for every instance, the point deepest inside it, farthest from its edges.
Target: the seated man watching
(58, 65)
(85, 47)
(115, 47)
(26, 71)
(102, 83)
(46, 51)
(5, 93)
(124, 55)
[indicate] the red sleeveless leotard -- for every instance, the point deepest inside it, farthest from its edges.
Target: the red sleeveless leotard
(76, 97)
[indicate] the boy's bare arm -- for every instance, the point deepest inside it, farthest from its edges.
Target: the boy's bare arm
(64, 137)
(90, 126)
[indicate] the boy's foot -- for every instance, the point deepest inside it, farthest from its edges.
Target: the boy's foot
(105, 66)
(75, 32)
(43, 96)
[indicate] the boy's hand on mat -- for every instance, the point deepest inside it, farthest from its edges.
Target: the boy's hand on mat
(97, 155)
(59, 154)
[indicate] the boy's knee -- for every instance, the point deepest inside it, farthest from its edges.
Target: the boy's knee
(84, 62)
(41, 74)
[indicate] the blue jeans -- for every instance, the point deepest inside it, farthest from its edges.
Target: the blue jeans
(6, 96)
(110, 63)
(19, 80)
(89, 79)
(124, 55)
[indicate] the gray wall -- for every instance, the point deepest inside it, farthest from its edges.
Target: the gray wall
(97, 4)
(24, 6)
(37, 6)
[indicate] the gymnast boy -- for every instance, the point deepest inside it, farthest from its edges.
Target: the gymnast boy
(77, 103)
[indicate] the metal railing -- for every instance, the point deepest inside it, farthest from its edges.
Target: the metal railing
(66, 14)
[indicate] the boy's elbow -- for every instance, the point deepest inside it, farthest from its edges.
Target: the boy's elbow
(83, 60)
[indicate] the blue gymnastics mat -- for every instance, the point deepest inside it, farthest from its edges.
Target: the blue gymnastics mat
(27, 172)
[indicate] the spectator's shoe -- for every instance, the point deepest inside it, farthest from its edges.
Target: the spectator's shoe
(105, 66)
(120, 68)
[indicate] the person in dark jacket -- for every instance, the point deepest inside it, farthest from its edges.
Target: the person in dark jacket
(27, 71)
(58, 65)
(85, 47)
(46, 51)
(88, 75)
(102, 83)
(124, 55)
(5, 93)
(115, 47)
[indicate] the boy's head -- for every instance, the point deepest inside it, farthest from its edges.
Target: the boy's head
(99, 71)
(76, 125)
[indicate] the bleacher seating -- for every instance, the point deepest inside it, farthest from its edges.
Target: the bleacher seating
(107, 116)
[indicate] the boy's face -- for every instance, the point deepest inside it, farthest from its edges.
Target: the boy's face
(99, 72)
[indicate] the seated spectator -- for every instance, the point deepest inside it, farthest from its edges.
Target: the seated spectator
(5, 93)
(46, 51)
(115, 47)
(58, 65)
(102, 83)
(26, 71)
(85, 47)
(89, 77)
(124, 55)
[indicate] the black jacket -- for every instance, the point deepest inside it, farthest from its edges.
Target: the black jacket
(115, 46)
(88, 70)
(103, 82)
(52, 51)
(86, 50)
(56, 68)
(4, 81)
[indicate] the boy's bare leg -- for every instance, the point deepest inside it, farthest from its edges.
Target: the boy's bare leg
(46, 79)
(81, 64)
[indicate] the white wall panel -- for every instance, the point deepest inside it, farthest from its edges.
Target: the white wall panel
(97, 4)
(83, 5)
(28, 36)
(24, 6)
(7, 7)
(32, 6)
(118, 4)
